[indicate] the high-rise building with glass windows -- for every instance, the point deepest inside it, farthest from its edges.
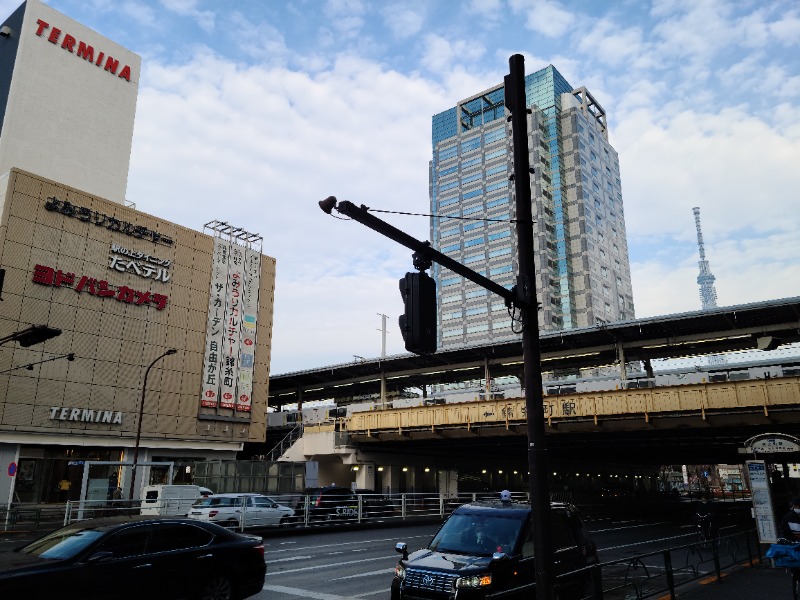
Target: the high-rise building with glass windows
(582, 268)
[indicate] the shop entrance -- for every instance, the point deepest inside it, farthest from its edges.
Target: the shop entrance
(53, 475)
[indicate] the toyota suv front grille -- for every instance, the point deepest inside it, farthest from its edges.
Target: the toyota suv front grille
(432, 581)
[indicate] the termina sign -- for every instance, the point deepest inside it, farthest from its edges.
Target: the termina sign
(84, 50)
(85, 415)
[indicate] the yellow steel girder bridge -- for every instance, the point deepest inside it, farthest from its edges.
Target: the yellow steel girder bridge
(767, 401)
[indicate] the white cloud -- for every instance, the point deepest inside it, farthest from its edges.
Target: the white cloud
(345, 17)
(205, 19)
(258, 40)
(403, 21)
(787, 30)
(611, 44)
(442, 55)
(549, 18)
(259, 147)
(728, 159)
(739, 171)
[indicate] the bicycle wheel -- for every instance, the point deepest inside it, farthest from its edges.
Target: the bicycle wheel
(703, 540)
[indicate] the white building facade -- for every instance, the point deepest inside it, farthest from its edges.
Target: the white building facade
(67, 101)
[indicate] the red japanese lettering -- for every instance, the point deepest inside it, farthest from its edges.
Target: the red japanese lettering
(125, 294)
(86, 283)
(63, 279)
(142, 298)
(159, 300)
(43, 275)
(104, 291)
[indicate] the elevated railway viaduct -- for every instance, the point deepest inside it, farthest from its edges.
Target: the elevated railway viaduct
(628, 427)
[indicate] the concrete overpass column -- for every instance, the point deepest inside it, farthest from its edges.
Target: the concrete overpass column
(488, 378)
(365, 476)
(300, 400)
(448, 482)
(389, 480)
(623, 372)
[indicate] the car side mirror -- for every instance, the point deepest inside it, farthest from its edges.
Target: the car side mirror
(402, 548)
(100, 557)
(500, 557)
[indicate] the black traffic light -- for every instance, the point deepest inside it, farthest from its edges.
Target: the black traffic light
(418, 324)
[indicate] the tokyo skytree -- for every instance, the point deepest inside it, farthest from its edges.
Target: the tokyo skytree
(708, 294)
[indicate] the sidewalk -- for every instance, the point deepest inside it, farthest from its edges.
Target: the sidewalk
(741, 583)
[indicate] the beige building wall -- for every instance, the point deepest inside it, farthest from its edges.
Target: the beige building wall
(113, 341)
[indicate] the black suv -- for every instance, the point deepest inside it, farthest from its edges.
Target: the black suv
(334, 503)
(485, 549)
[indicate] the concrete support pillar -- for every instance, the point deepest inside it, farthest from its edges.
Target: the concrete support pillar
(623, 372)
(365, 476)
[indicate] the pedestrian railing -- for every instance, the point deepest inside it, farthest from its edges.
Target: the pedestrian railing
(659, 573)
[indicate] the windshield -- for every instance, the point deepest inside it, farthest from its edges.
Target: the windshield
(477, 534)
(64, 543)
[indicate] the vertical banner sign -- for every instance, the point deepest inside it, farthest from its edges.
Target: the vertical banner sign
(252, 261)
(215, 326)
(762, 501)
(232, 328)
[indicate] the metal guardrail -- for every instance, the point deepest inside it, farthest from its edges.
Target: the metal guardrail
(661, 572)
(640, 576)
(368, 508)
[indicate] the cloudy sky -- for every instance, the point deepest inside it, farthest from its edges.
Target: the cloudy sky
(274, 105)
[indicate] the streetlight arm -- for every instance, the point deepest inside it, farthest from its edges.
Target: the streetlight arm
(139, 423)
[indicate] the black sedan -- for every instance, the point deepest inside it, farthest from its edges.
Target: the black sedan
(142, 558)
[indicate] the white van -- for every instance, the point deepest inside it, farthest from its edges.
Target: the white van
(173, 500)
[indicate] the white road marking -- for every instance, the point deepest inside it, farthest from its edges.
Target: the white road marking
(340, 544)
(331, 565)
(278, 560)
(303, 593)
(627, 527)
(381, 572)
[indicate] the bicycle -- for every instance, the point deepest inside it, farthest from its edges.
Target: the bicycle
(706, 532)
(785, 553)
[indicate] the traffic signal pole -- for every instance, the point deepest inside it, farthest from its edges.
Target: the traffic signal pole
(523, 297)
(531, 352)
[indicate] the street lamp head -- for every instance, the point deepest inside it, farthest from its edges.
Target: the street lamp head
(328, 204)
(171, 351)
(35, 334)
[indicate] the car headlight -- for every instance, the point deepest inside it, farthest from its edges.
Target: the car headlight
(400, 572)
(474, 581)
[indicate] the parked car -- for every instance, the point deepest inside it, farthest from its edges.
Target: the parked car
(486, 548)
(173, 500)
(136, 557)
(332, 503)
(229, 510)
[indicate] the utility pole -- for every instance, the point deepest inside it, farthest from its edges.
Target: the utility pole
(383, 334)
(531, 353)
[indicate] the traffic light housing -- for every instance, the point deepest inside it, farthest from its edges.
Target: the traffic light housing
(418, 323)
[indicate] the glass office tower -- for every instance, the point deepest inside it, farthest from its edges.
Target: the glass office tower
(582, 269)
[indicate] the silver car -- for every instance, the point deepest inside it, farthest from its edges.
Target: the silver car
(235, 510)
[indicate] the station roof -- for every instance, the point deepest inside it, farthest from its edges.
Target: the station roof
(759, 325)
